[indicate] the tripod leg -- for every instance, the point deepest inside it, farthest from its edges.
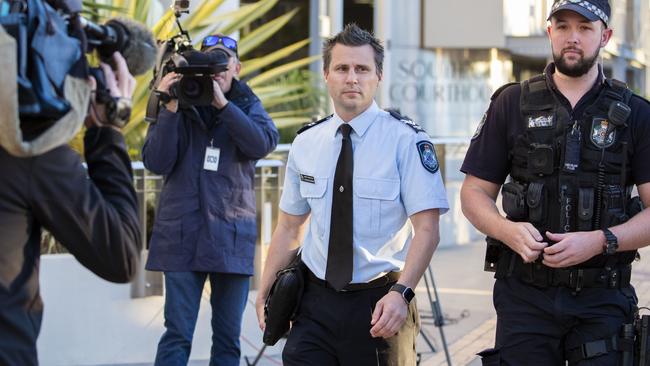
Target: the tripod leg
(257, 358)
(422, 332)
(436, 311)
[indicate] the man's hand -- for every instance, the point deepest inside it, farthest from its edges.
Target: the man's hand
(164, 85)
(121, 84)
(573, 248)
(219, 100)
(524, 239)
(389, 315)
(259, 308)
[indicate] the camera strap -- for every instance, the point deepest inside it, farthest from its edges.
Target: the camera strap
(153, 105)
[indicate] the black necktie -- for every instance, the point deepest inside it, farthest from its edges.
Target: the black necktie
(339, 253)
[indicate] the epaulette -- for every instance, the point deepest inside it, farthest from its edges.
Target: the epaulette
(643, 99)
(409, 122)
(502, 88)
(312, 124)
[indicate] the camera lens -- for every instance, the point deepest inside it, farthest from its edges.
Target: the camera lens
(191, 87)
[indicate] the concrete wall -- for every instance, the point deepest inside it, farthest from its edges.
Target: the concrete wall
(463, 24)
(89, 321)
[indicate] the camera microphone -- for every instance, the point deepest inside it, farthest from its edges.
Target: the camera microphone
(133, 40)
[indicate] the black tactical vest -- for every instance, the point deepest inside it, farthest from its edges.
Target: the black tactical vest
(570, 174)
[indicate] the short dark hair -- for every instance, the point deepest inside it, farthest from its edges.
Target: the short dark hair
(354, 36)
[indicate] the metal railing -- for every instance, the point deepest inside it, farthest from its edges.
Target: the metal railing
(269, 174)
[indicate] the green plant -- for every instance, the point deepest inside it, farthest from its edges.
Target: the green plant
(286, 90)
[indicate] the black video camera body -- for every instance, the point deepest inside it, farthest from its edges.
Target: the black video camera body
(197, 69)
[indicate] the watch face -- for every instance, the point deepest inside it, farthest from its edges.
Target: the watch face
(408, 294)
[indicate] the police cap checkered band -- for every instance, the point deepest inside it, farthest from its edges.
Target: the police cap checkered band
(590, 9)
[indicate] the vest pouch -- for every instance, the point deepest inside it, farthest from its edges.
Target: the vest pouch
(585, 209)
(613, 205)
(540, 159)
(514, 200)
(642, 343)
(536, 200)
(634, 206)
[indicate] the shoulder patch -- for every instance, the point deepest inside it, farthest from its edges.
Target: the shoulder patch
(501, 89)
(479, 128)
(405, 119)
(312, 124)
(428, 156)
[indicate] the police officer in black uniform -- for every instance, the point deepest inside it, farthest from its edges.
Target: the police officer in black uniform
(574, 145)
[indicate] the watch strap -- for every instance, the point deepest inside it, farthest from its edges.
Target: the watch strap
(611, 242)
(406, 292)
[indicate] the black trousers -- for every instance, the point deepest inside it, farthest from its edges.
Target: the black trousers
(537, 326)
(333, 328)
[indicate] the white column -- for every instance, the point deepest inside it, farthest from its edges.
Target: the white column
(335, 13)
(383, 31)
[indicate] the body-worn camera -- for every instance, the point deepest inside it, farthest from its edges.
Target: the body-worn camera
(540, 159)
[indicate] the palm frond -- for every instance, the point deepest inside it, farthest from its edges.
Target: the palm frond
(140, 10)
(274, 102)
(206, 9)
(262, 7)
(288, 94)
(291, 113)
(291, 121)
(216, 25)
(165, 22)
(261, 34)
(270, 91)
(280, 70)
(217, 19)
(255, 64)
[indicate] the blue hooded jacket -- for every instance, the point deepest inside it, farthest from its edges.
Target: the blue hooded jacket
(206, 220)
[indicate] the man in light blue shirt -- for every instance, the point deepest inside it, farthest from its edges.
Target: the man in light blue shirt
(396, 198)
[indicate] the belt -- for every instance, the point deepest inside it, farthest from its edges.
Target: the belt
(389, 278)
(537, 274)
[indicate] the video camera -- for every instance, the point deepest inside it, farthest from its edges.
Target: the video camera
(44, 45)
(197, 69)
(57, 46)
(195, 88)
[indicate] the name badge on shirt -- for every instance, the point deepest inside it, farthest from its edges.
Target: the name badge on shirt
(211, 161)
(307, 178)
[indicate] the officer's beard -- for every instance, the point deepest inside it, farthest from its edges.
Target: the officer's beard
(578, 69)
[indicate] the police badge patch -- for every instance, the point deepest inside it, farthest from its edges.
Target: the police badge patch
(428, 156)
(479, 128)
(599, 135)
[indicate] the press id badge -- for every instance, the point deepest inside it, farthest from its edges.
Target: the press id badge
(211, 161)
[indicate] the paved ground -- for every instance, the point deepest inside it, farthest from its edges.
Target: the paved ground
(465, 296)
(464, 348)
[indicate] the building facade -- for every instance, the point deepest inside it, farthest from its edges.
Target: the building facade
(445, 58)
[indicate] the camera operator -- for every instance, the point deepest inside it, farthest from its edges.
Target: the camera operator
(206, 221)
(95, 219)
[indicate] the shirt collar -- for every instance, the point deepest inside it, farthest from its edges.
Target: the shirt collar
(359, 123)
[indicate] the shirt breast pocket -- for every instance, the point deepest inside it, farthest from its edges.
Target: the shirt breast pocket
(314, 193)
(377, 201)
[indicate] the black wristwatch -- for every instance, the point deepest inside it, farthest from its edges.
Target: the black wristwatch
(612, 242)
(163, 97)
(407, 292)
